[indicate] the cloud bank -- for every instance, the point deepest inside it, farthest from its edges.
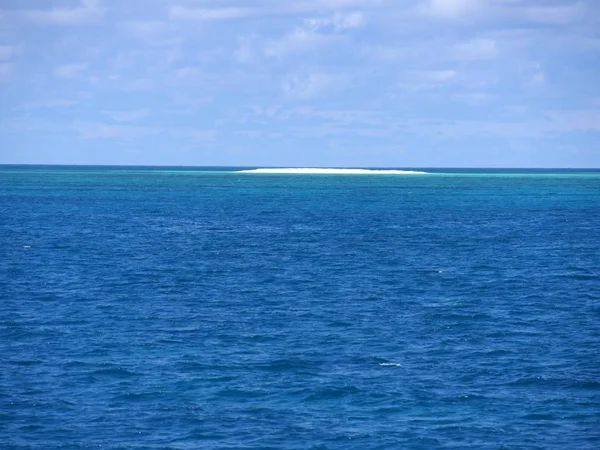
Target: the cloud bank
(309, 83)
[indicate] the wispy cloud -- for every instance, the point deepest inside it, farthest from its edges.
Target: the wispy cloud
(89, 11)
(384, 53)
(69, 70)
(315, 6)
(479, 48)
(314, 34)
(495, 13)
(246, 51)
(154, 32)
(299, 40)
(240, 10)
(128, 116)
(466, 75)
(209, 14)
(532, 74)
(313, 85)
(451, 9)
(439, 76)
(338, 22)
(474, 97)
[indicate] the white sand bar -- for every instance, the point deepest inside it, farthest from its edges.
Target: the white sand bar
(331, 171)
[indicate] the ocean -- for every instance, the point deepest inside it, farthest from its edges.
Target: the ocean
(206, 308)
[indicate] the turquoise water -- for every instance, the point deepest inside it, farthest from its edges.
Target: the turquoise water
(202, 308)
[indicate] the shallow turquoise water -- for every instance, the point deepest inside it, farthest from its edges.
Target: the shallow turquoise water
(201, 308)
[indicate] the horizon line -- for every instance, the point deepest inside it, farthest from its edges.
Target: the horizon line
(307, 167)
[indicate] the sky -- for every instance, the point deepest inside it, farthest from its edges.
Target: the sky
(342, 83)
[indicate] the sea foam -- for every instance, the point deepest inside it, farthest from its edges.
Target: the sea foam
(332, 171)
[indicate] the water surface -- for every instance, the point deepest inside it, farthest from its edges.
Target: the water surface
(206, 308)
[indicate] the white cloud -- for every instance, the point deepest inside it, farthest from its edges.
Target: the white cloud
(128, 116)
(476, 49)
(143, 29)
(329, 5)
(89, 11)
(297, 41)
(339, 22)
(384, 53)
(451, 9)
(270, 111)
(426, 80)
(344, 117)
(439, 76)
(139, 84)
(474, 98)
(309, 36)
(245, 52)
(497, 13)
(69, 70)
(187, 103)
(313, 85)
(208, 14)
(275, 8)
(153, 32)
(532, 74)
(538, 79)
(454, 59)
(188, 73)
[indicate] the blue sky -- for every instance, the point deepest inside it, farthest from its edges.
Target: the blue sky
(372, 83)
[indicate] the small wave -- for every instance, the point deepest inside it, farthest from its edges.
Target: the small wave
(116, 372)
(390, 364)
(333, 393)
(330, 171)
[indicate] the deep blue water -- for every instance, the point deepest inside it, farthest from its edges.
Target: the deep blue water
(177, 308)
